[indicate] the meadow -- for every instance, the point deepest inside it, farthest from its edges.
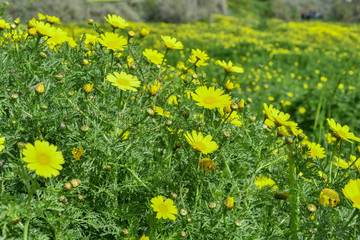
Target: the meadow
(235, 128)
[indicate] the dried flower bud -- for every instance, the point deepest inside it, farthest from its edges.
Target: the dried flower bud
(150, 111)
(189, 220)
(178, 144)
(185, 114)
(168, 122)
(182, 234)
(84, 128)
(226, 134)
(15, 96)
(15, 220)
(238, 223)
(212, 205)
(174, 196)
(62, 125)
(311, 208)
(106, 168)
(44, 107)
(75, 182)
(183, 212)
(249, 100)
(68, 186)
(125, 231)
(63, 199)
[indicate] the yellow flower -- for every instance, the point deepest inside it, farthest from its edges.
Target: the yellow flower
(58, 36)
(116, 21)
(153, 55)
(315, 150)
(43, 158)
(302, 110)
(352, 191)
(230, 86)
(232, 117)
(52, 19)
(40, 89)
(228, 67)
(154, 88)
(44, 29)
(144, 32)
(201, 143)
(160, 111)
(261, 182)
(171, 43)
(113, 41)
(210, 98)
(2, 140)
(355, 162)
(143, 237)
(123, 81)
(278, 117)
(228, 203)
(330, 139)
(342, 132)
(41, 16)
(90, 39)
(4, 24)
(207, 164)
(88, 88)
(329, 197)
(199, 57)
(340, 162)
(77, 153)
(165, 209)
(173, 100)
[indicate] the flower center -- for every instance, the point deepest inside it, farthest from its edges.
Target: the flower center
(163, 208)
(209, 100)
(112, 44)
(123, 82)
(43, 159)
(199, 146)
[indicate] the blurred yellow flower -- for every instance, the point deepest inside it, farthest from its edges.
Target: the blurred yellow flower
(77, 153)
(88, 87)
(228, 67)
(352, 191)
(153, 55)
(171, 43)
(116, 21)
(199, 57)
(154, 88)
(315, 150)
(261, 182)
(52, 19)
(160, 111)
(113, 41)
(340, 163)
(329, 197)
(2, 141)
(342, 132)
(302, 110)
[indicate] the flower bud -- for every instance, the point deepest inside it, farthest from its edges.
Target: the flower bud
(43, 55)
(150, 111)
(311, 208)
(183, 212)
(182, 234)
(90, 21)
(62, 125)
(238, 223)
(80, 197)
(84, 128)
(85, 62)
(15, 220)
(212, 205)
(185, 114)
(62, 199)
(144, 32)
(40, 89)
(228, 203)
(68, 186)
(88, 88)
(14, 96)
(174, 196)
(106, 168)
(131, 34)
(168, 122)
(17, 21)
(75, 182)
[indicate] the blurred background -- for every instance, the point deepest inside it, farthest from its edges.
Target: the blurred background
(180, 11)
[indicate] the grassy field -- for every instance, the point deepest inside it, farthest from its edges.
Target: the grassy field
(120, 131)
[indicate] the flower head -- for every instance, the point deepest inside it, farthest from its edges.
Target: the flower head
(58, 36)
(44, 29)
(160, 111)
(113, 41)
(352, 192)
(278, 117)
(341, 163)
(210, 97)
(261, 182)
(144, 32)
(342, 132)
(52, 19)
(43, 158)
(116, 21)
(315, 150)
(231, 117)
(4, 24)
(77, 153)
(230, 85)
(2, 140)
(171, 43)
(228, 67)
(143, 237)
(207, 164)
(201, 143)
(88, 87)
(154, 88)
(228, 203)
(165, 209)
(199, 57)
(123, 81)
(153, 55)
(329, 197)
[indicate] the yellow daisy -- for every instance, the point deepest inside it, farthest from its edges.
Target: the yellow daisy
(199, 57)
(153, 55)
(116, 21)
(352, 192)
(315, 150)
(207, 164)
(171, 43)
(44, 29)
(228, 67)
(329, 197)
(77, 153)
(228, 203)
(4, 24)
(2, 140)
(154, 88)
(58, 37)
(52, 19)
(123, 81)
(342, 132)
(261, 182)
(340, 162)
(278, 117)
(201, 143)
(210, 98)
(113, 41)
(165, 209)
(233, 117)
(43, 158)
(160, 111)
(143, 237)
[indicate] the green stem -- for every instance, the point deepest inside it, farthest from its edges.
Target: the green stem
(26, 228)
(353, 214)
(294, 218)
(36, 44)
(331, 159)
(223, 81)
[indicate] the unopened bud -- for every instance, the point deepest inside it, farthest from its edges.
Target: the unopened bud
(62, 199)
(14, 96)
(85, 62)
(183, 212)
(40, 89)
(183, 234)
(131, 34)
(168, 122)
(90, 21)
(212, 205)
(150, 111)
(43, 55)
(84, 128)
(67, 186)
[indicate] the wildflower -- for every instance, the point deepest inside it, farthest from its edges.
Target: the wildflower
(342, 132)
(40, 89)
(329, 197)
(77, 153)
(230, 85)
(90, 39)
(143, 237)
(116, 21)
(58, 36)
(113, 41)
(201, 143)
(52, 19)
(228, 67)
(153, 55)
(165, 209)
(355, 162)
(160, 111)
(352, 191)
(228, 203)
(171, 43)
(199, 57)
(44, 29)
(232, 117)
(315, 150)
(41, 16)
(207, 164)
(173, 100)
(43, 158)
(2, 140)
(131, 34)
(144, 32)
(88, 87)
(123, 81)
(340, 163)
(261, 182)
(330, 139)
(241, 104)
(4, 24)
(302, 110)
(210, 98)
(278, 117)
(154, 88)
